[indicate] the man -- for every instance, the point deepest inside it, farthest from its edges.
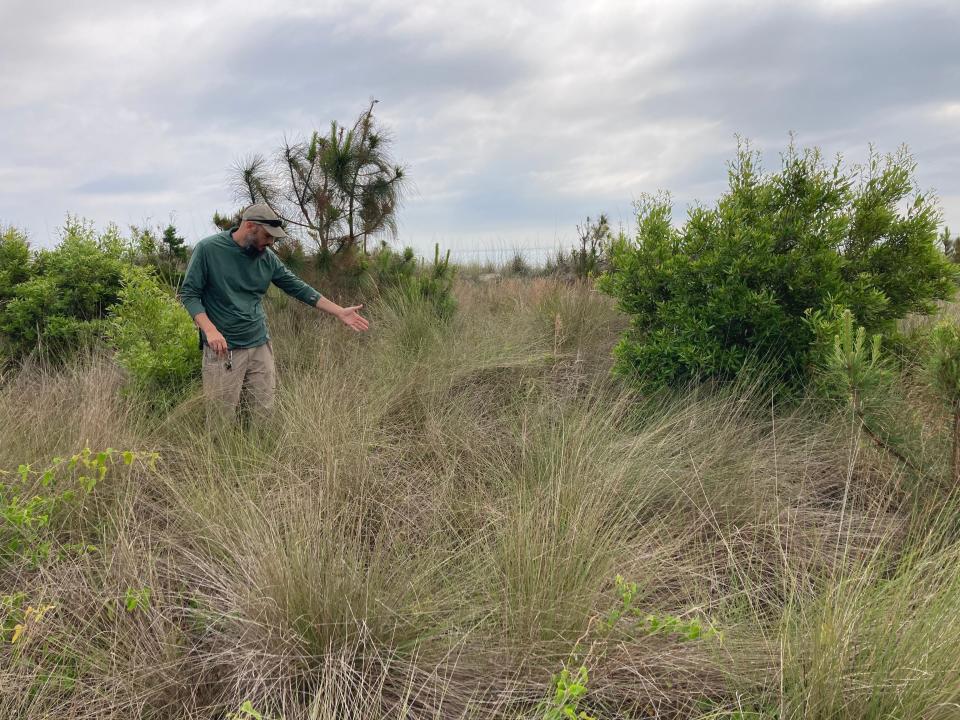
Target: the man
(226, 279)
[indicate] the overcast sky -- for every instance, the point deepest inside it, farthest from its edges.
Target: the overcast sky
(515, 120)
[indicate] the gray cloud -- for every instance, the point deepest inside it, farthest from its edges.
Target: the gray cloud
(515, 121)
(793, 67)
(123, 184)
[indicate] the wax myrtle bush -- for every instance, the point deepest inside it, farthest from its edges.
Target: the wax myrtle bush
(98, 289)
(736, 283)
(14, 263)
(14, 260)
(56, 300)
(155, 339)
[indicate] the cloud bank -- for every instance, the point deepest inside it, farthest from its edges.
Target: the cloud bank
(515, 121)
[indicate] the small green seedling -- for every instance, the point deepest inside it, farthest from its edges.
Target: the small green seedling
(137, 599)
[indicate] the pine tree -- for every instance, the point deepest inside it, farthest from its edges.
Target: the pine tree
(338, 187)
(951, 245)
(175, 246)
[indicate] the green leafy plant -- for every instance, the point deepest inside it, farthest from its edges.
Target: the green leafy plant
(57, 301)
(733, 286)
(854, 371)
(247, 711)
(943, 367)
(14, 261)
(569, 690)
(12, 609)
(655, 623)
(155, 339)
(403, 282)
(435, 285)
(684, 628)
(627, 593)
(30, 501)
(136, 599)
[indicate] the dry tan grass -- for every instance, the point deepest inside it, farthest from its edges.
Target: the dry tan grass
(432, 524)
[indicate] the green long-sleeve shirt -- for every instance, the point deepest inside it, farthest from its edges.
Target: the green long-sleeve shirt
(228, 285)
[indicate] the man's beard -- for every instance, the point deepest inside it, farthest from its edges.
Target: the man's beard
(252, 251)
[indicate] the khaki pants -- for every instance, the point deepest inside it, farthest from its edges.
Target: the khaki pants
(246, 373)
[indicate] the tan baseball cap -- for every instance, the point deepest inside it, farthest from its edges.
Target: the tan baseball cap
(263, 215)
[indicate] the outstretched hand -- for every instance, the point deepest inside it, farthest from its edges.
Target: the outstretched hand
(352, 319)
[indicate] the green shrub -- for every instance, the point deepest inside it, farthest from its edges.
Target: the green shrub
(435, 285)
(517, 266)
(388, 268)
(14, 261)
(62, 300)
(34, 502)
(943, 368)
(396, 276)
(569, 690)
(14, 269)
(58, 299)
(735, 283)
(944, 362)
(155, 338)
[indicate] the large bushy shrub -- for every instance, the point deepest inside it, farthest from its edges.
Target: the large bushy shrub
(14, 261)
(14, 269)
(155, 338)
(56, 300)
(736, 283)
(60, 300)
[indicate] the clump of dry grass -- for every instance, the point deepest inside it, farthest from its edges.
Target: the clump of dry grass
(50, 411)
(431, 526)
